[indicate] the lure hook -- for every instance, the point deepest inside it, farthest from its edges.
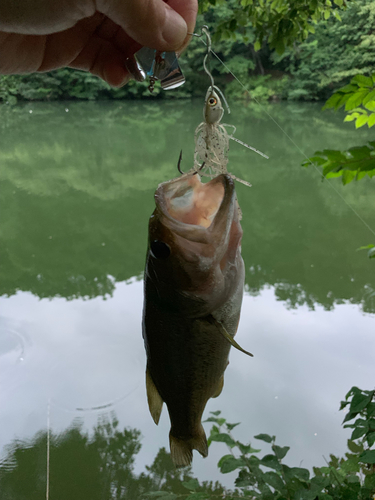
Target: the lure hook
(179, 165)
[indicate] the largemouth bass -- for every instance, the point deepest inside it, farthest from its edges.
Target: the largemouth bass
(194, 282)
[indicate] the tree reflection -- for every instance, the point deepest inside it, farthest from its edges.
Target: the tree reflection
(77, 192)
(88, 467)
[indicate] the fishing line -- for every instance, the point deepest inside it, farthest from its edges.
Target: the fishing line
(48, 446)
(293, 142)
(287, 136)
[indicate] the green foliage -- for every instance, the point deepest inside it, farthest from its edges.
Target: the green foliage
(354, 163)
(337, 51)
(359, 100)
(268, 477)
(279, 22)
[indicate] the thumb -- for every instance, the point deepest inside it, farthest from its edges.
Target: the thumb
(153, 23)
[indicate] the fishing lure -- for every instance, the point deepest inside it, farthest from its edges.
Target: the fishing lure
(161, 66)
(211, 136)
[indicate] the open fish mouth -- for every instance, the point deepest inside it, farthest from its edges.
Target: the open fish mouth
(196, 210)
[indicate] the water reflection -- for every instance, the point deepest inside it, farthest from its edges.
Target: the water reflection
(76, 194)
(77, 191)
(87, 354)
(94, 465)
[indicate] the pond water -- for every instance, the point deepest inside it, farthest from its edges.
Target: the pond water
(77, 184)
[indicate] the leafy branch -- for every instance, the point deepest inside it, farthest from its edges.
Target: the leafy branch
(268, 478)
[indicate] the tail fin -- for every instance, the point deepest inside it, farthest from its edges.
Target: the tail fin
(182, 449)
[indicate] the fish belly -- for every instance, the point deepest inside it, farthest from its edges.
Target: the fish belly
(186, 360)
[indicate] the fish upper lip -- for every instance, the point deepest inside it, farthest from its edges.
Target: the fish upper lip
(200, 234)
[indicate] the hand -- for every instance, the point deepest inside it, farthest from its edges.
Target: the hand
(91, 35)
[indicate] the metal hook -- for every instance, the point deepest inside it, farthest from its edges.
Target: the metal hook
(179, 165)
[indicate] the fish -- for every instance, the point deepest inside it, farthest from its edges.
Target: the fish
(193, 288)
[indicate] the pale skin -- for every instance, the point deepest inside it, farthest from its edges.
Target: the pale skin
(90, 35)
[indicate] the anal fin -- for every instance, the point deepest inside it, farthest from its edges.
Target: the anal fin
(155, 402)
(219, 388)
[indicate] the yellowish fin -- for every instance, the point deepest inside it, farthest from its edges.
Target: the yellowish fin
(219, 388)
(225, 334)
(182, 449)
(155, 403)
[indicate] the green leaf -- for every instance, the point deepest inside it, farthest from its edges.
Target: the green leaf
(319, 482)
(257, 46)
(360, 401)
(352, 478)
(371, 253)
(367, 457)
(274, 480)
(223, 438)
(333, 101)
(370, 481)
(348, 176)
(354, 447)
(231, 426)
(366, 247)
(369, 97)
(370, 438)
(300, 473)
(270, 461)
(356, 99)
(229, 463)
(265, 437)
(218, 421)
(192, 484)
(244, 479)
(246, 448)
(370, 105)
(371, 120)
(198, 496)
(361, 121)
(216, 413)
(362, 81)
(280, 452)
(351, 117)
(348, 89)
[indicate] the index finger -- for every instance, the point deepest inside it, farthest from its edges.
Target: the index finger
(153, 23)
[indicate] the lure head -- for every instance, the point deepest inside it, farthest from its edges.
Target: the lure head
(213, 110)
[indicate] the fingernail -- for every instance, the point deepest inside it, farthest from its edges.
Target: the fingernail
(175, 28)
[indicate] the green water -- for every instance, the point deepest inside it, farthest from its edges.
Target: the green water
(77, 184)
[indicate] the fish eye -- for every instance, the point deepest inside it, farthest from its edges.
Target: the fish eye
(160, 250)
(212, 101)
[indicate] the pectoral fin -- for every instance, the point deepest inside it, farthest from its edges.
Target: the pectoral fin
(225, 334)
(155, 403)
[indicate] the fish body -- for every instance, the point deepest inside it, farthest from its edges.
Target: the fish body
(194, 281)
